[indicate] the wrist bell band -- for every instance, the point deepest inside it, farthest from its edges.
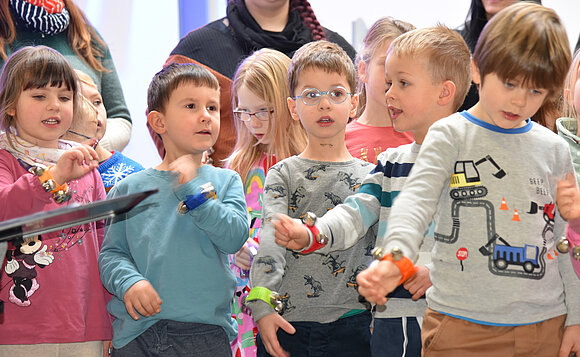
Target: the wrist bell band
(206, 192)
(405, 265)
(60, 193)
(320, 239)
(271, 298)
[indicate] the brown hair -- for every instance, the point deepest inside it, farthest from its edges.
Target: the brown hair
(526, 40)
(384, 30)
(171, 77)
(264, 73)
(33, 67)
(82, 37)
(308, 18)
(323, 55)
(447, 54)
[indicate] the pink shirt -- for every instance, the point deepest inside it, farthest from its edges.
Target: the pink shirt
(51, 290)
(367, 142)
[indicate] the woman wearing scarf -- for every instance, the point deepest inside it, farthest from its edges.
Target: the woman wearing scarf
(250, 25)
(61, 25)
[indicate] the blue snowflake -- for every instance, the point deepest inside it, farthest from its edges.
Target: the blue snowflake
(116, 173)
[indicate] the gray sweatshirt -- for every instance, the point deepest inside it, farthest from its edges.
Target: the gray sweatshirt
(317, 288)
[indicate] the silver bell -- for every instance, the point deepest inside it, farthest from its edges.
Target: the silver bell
(563, 245)
(576, 252)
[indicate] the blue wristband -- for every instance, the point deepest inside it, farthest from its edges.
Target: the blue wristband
(207, 191)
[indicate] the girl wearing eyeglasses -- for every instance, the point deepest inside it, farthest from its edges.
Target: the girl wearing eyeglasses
(266, 134)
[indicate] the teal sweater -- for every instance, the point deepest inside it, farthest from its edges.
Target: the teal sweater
(184, 257)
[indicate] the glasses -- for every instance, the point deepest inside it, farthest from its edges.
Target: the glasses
(261, 115)
(312, 96)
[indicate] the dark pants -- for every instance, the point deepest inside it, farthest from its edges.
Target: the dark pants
(392, 338)
(172, 338)
(349, 336)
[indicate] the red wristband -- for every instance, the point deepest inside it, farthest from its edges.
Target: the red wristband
(320, 240)
(405, 265)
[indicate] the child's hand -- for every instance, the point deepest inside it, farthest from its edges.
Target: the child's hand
(187, 167)
(570, 341)
(268, 327)
(243, 258)
(418, 283)
(289, 233)
(141, 297)
(568, 198)
(376, 281)
(75, 163)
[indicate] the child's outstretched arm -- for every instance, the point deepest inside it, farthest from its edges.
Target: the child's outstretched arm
(75, 163)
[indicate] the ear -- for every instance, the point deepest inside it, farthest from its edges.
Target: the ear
(156, 120)
(362, 71)
(567, 96)
(292, 108)
(447, 93)
(11, 112)
(354, 103)
(476, 76)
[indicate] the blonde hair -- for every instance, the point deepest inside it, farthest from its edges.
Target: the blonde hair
(33, 67)
(87, 111)
(264, 73)
(526, 40)
(384, 30)
(448, 57)
(322, 55)
(567, 108)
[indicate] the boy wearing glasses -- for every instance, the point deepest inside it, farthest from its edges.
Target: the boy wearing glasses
(322, 315)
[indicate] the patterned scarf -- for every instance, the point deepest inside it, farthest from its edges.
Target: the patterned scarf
(30, 155)
(49, 17)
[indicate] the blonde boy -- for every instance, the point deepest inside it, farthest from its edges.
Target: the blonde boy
(166, 262)
(428, 73)
(323, 315)
(488, 178)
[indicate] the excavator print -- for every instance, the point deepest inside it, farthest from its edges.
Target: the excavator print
(504, 259)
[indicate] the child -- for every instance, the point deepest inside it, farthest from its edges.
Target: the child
(499, 287)
(568, 196)
(174, 249)
(321, 302)
(266, 133)
(431, 66)
(54, 300)
(373, 131)
(113, 166)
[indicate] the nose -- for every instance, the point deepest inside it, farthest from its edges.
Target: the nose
(205, 115)
(53, 103)
(519, 97)
(254, 122)
(324, 101)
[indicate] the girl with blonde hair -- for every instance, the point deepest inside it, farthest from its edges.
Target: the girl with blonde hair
(266, 134)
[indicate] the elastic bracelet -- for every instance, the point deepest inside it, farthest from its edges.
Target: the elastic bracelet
(206, 192)
(320, 239)
(271, 298)
(405, 265)
(60, 193)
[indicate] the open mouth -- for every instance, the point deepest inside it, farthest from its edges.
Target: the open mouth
(395, 112)
(204, 132)
(325, 121)
(51, 121)
(511, 116)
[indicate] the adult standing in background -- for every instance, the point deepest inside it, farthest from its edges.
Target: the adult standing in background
(284, 25)
(61, 25)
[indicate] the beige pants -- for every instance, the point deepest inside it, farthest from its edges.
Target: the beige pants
(84, 349)
(443, 335)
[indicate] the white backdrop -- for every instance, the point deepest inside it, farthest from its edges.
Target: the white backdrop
(142, 33)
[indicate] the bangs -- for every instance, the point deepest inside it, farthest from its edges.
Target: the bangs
(46, 70)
